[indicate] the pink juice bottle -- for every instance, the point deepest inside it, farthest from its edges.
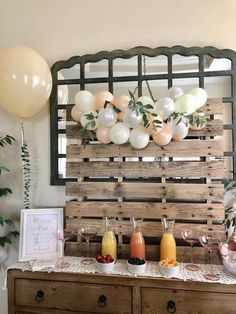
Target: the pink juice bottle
(137, 243)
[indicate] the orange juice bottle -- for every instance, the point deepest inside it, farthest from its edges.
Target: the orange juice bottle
(109, 243)
(137, 243)
(168, 244)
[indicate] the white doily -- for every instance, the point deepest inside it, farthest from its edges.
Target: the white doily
(152, 270)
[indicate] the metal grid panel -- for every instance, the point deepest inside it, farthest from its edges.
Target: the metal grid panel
(110, 79)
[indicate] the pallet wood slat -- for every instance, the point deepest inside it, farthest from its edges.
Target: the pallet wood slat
(215, 169)
(185, 148)
(146, 209)
(214, 192)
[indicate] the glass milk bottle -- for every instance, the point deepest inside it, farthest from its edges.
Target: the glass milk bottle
(109, 243)
(168, 245)
(137, 243)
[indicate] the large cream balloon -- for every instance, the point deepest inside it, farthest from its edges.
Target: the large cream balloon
(25, 81)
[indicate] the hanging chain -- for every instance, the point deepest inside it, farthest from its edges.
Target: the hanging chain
(146, 81)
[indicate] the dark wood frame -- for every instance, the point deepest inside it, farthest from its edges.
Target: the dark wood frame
(110, 79)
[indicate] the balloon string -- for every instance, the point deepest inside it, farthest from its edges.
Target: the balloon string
(25, 160)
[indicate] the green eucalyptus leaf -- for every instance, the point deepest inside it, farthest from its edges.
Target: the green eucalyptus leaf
(9, 222)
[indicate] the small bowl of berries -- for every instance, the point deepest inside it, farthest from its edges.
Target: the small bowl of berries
(169, 267)
(105, 264)
(136, 265)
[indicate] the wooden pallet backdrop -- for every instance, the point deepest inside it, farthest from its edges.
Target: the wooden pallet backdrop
(152, 183)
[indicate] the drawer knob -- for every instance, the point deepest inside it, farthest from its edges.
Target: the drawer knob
(171, 306)
(39, 296)
(102, 300)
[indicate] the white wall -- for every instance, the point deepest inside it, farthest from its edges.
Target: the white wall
(58, 29)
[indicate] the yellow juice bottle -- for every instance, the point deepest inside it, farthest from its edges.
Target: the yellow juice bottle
(109, 243)
(168, 244)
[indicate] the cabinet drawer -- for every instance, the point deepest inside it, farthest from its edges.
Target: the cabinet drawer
(73, 296)
(161, 301)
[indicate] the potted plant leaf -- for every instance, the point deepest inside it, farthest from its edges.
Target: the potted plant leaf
(6, 224)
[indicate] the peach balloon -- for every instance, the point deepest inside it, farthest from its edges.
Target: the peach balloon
(25, 81)
(152, 129)
(102, 134)
(100, 99)
(122, 102)
(76, 113)
(164, 137)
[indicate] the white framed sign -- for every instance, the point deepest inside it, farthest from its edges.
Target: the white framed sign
(39, 229)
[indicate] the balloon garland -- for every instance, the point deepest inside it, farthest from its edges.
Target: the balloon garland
(127, 119)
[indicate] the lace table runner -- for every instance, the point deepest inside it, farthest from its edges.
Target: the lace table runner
(152, 270)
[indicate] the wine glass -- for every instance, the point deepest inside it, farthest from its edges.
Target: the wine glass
(211, 244)
(87, 232)
(63, 236)
(189, 237)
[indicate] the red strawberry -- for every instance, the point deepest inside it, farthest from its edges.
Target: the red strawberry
(103, 260)
(98, 257)
(109, 259)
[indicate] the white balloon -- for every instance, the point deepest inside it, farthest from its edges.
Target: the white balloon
(132, 119)
(62, 91)
(178, 128)
(107, 117)
(165, 107)
(139, 138)
(145, 100)
(174, 92)
(119, 133)
(201, 96)
(87, 123)
(186, 104)
(84, 100)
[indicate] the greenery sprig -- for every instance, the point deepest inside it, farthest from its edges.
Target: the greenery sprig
(144, 111)
(181, 116)
(117, 110)
(4, 191)
(199, 119)
(86, 136)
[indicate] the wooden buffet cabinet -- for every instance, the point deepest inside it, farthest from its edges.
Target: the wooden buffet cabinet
(70, 293)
